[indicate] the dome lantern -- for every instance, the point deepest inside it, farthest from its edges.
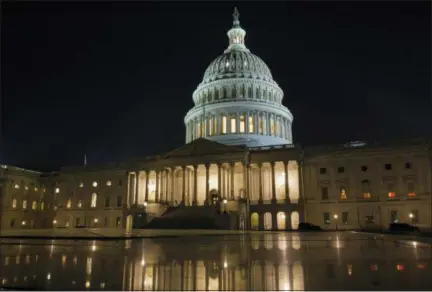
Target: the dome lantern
(236, 35)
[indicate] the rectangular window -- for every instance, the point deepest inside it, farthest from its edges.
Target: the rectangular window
(345, 217)
(391, 192)
(233, 124)
(120, 183)
(387, 166)
(24, 205)
(210, 122)
(264, 125)
(260, 125)
(366, 189)
(343, 194)
(411, 189)
(393, 216)
(14, 203)
(323, 170)
(326, 218)
(105, 222)
(34, 205)
(42, 206)
(242, 124)
(414, 216)
(341, 169)
(251, 124)
(278, 128)
(198, 129)
(69, 204)
(77, 221)
(224, 124)
(324, 193)
(215, 128)
(118, 222)
(119, 201)
(107, 202)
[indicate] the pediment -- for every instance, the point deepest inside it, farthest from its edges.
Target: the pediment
(202, 147)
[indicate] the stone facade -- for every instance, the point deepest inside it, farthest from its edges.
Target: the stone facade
(264, 188)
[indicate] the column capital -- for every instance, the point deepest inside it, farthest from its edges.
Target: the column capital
(195, 166)
(232, 163)
(272, 163)
(207, 165)
(183, 167)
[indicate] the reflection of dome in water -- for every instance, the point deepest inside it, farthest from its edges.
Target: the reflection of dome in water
(238, 102)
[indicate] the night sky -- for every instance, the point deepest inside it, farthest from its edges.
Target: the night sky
(115, 80)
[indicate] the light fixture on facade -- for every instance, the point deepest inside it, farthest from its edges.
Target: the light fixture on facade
(23, 223)
(95, 184)
(54, 221)
(95, 220)
(145, 204)
(335, 216)
(225, 201)
(57, 190)
(411, 215)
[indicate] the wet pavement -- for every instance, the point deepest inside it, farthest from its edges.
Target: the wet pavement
(255, 261)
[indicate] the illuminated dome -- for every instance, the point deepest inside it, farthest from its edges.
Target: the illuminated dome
(238, 102)
(237, 64)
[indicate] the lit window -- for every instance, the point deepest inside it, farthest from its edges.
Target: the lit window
(367, 195)
(69, 204)
(26, 188)
(17, 186)
(224, 124)
(24, 205)
(14, 203)
(210, 126)
(109, 183)
(251, 124)
(272, 126)
(95, 184)
(198, 129)
(400, 267)
(42, 205)
(412, 194)
(215, 125)
(102, 285)
(93, 200)
(36, 189)
(343, 194)
(391, 194)
(34, 205)
(242, 124)
(57, 190)
(233, 124)
(79, 204)
(81, 185)
(260, 124)
(264, 125)
(87, 284)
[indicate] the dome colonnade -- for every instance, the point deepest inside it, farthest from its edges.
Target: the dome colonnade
(238, 102)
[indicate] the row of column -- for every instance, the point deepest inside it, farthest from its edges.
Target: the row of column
(165, 183)
(259, 123)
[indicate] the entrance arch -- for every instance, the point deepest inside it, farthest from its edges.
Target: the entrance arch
(129, 223)
(254, 221)
(281, 221)
(295, 220)
(267, 221)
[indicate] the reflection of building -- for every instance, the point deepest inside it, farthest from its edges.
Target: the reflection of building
(260, 262)
(239, 157)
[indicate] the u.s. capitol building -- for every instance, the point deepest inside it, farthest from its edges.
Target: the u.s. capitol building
(239, 169)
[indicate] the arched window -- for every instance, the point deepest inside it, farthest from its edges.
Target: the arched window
(216, 93)
(281, 221)
(93, 200)
(225, 92)
(295, 220)
(264, 125)
(14, 203)
(267, 221)
(258, 95)
(254, 221)
(250, 92)
(242, 91)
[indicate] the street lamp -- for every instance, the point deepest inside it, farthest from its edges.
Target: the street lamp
(145, 204)
(225, 201)
(335, 216)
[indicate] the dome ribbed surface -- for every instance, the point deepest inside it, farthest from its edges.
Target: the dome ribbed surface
(237, 64)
